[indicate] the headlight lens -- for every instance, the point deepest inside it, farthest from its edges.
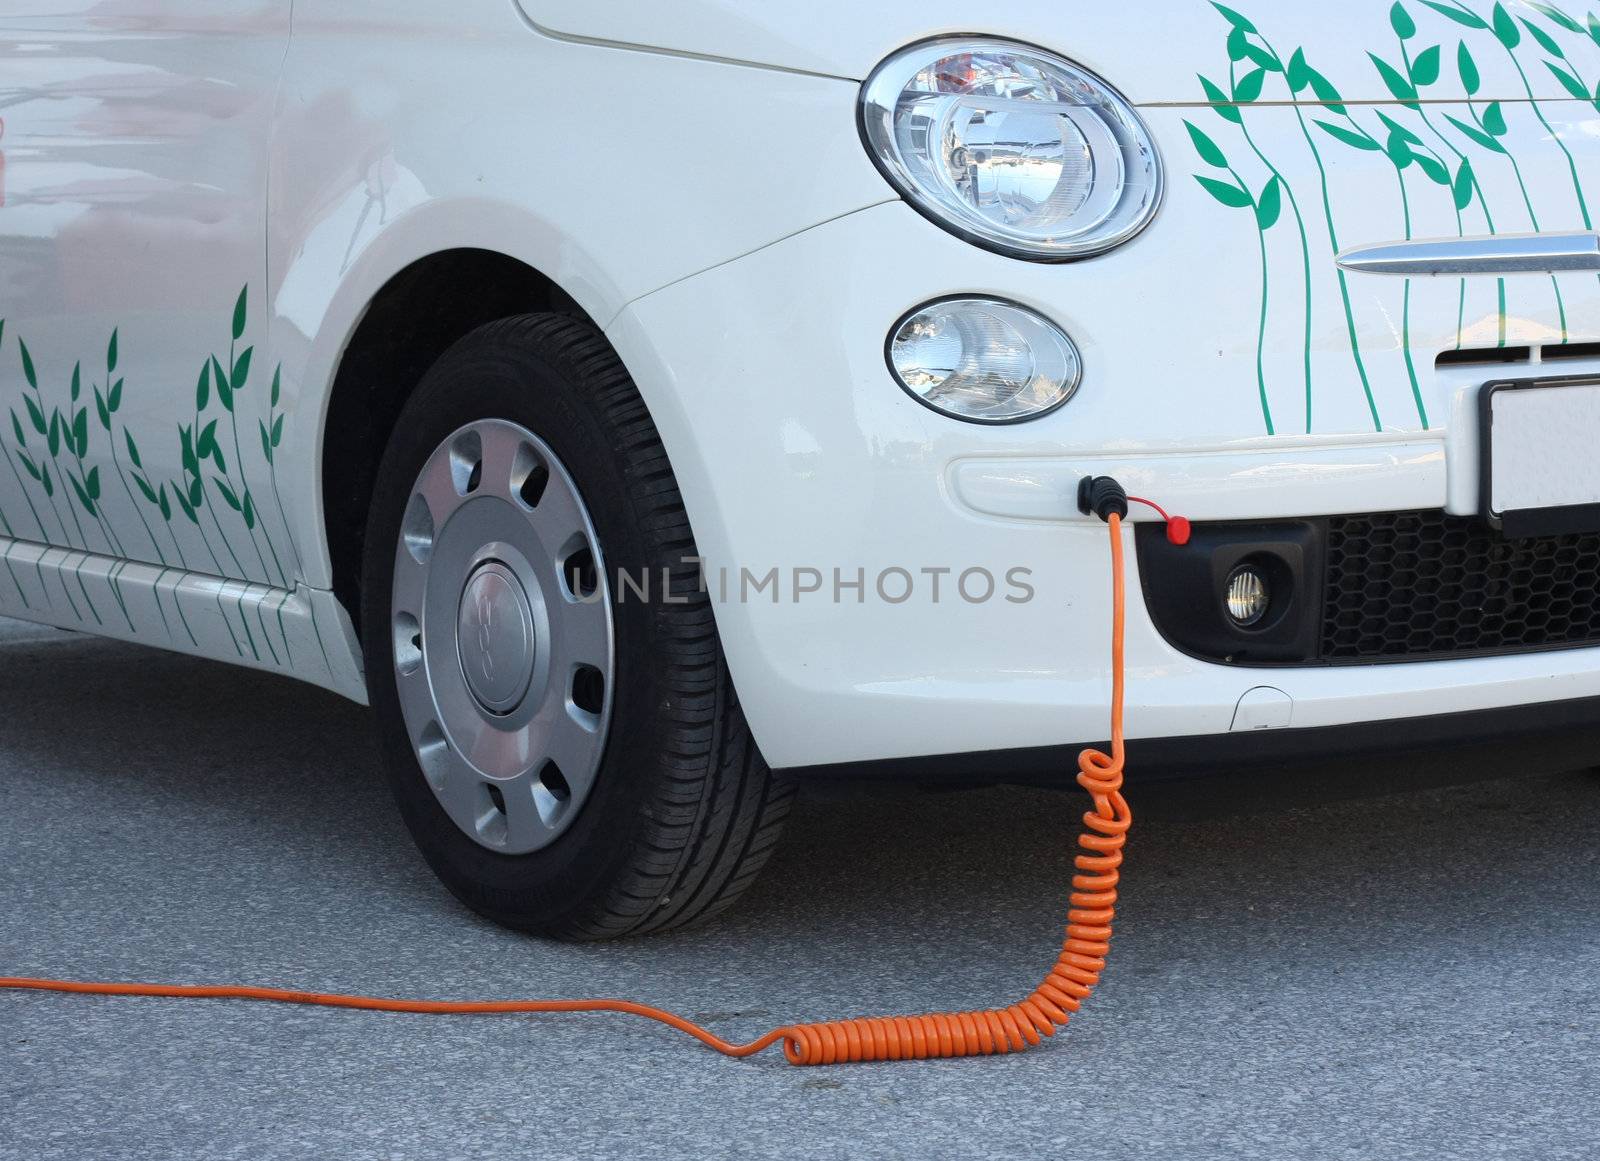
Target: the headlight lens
(1012, 148)
(984, 360)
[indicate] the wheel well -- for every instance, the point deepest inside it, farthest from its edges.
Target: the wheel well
(417, 315)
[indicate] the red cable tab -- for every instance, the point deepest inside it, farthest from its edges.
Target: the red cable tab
(1177, 526)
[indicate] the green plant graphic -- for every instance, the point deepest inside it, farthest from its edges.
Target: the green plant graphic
(1442, 159)
(216, 496)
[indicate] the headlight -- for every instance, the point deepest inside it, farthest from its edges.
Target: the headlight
(983, 360)
(1012, 148)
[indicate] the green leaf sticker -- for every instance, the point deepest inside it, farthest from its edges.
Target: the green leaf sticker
(1262, 58)
(227, 493)
(92, 483)
(183, 503)
(1400, 20)
(16, 426)
(1394, 126)
(1505, 28)
(80, 431)
(197, 492)
(35, 414)
(101, 410)
(1221, 102)
(277, 377)
(266, 440)
(1569, 82)
(1556, 16)
(1249, 86)
(133, 449)
(1397, 84)
(1468, 69)
(1546, 41)
(1494, 119)
(144, 487)
(161, 502)
(1349, 136)
(53, 439)
(1208, 149)
(1270, 204)
(241, 370)
(1476, 134)
(249, 512)
(1298, 75)
(114, 400)
(1425, 68)
(111, 355)
(1433, 167)
(239, 312)
(83, 496)
(1228, 195)
(224, 392)
(1325, 92)
(77, 381)
(1234, 18)
(1399, 151)
(27, 366)
(207, 443)
(49, 486)
(277, 431)
(202, 389)
(1236, 45)
(28, 464)
(1463, 185)
(1459, 15)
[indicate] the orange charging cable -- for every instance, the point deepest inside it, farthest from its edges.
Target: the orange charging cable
(991, 1031)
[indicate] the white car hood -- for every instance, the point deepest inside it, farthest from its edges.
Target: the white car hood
(1152, 50)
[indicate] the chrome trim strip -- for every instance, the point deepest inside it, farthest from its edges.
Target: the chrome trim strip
(1501, 254)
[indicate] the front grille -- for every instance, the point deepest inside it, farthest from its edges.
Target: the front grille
(1424, 584)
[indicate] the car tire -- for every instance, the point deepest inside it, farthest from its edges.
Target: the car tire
(681, 812)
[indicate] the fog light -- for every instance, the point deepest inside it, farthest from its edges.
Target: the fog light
(984, 360)
(1247, 596)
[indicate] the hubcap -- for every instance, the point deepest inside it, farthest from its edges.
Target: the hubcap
(503, 636)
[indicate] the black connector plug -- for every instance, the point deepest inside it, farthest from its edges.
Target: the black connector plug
(1101, 496)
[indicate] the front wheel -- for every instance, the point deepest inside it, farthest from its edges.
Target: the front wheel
(568, 755)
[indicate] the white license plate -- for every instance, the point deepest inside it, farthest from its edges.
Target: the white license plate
(1541, 456)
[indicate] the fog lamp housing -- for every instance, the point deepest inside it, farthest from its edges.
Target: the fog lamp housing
(1247, 596)
(983, 360)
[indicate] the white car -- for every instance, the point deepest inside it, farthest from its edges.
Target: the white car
(643, 404)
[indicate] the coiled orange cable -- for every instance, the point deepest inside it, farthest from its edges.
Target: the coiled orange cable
(992, 1031)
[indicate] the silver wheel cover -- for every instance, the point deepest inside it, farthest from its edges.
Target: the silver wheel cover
(503, 636)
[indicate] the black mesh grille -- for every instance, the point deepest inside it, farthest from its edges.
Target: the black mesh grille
(1424, 584)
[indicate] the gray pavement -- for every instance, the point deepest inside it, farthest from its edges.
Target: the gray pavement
(1412, 977)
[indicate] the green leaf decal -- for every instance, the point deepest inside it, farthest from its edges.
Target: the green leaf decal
(207, 443)
(83, 496)
(1476, 134)
(183, 503)
(53, 439)
(27, 366)
(1395, 127)
(1505, 28)
(1594, 28)
(16, 426)
(1400, 20)
(1459, 15)
(1569, 82)
(49, 486)
(202, 389)
(1463, 185)
(277, 431)
(1468, 69)
(93, 483)
(227, 494)
(191, 463)
(1236, 45)
(114, 400)
(1546, 41)
(1494, 119)
(28, 464)
(266, 441)
(1433, 167)
(1399, 151)
(1556, 16)
(77, 381)
(1208, 149)
(80, 432)
(1262, 58)
(249, 512)
(241, 370)
(133, 448)
(1228, 195)
(1298, 76)
(35, 414)
(224, 392)
(1220, 102)
(111, 355)
(1270, 204)
(1425, 68)
(1397, 84)
(1349, 136)
(277, 377)
(1234, 18)
(144, 486)
(1249, 86)
(239, 312)
(101, 410)
(161, 502)
(197, 492)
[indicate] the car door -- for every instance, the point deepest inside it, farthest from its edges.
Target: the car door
(133, 153)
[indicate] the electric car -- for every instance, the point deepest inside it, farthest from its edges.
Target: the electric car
(646, 406)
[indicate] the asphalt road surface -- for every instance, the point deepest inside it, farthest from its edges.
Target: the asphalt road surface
(1412, 977)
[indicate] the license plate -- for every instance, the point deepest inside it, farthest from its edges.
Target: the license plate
(1541, 456)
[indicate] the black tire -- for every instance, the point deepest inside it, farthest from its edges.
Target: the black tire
(683, 812)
